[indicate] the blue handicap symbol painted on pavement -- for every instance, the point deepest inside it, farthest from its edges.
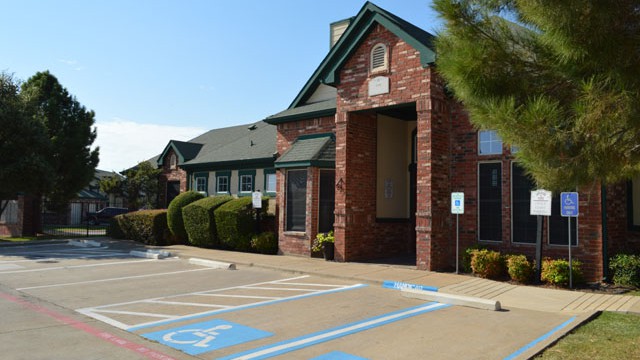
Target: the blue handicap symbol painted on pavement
(199, 338)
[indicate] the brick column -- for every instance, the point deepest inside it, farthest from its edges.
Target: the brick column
(433, 225)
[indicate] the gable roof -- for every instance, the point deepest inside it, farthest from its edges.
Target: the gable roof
(328, 70)
(185, 151)
(310, 150)
(250, 143)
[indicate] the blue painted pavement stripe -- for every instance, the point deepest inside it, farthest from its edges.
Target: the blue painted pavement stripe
(243, 307)
(402, 285)
(286, 346)
(540, 339)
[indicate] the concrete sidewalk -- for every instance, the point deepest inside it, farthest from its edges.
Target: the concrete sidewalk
(510, 296)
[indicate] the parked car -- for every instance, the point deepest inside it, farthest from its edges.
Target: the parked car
(104, 215)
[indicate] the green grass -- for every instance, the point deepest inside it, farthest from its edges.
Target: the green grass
(609, 336)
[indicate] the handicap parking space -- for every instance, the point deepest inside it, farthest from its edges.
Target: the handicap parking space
(256, 313)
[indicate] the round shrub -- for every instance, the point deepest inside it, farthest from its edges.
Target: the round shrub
(519, 268)
(265, 243)
(466, 257)
(556, 272)
(488, 264)
(626, 270)
(174, 213)
(236, 224)
(200, 223)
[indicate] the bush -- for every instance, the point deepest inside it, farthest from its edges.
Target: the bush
(146, 226)
(519, 268)
(466, 257)
(235, 223)
(626, 270)
(199, 223)
(556, 272)
(488, 264)
(265, 243)
(174, 213)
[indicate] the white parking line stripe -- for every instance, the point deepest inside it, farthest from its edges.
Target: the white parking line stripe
(305, 284)
(104, 319)
(175, 296)
(112, 279)
(240, 296)
(187, 304)
(138, 313)
(240, 307)
(273, 288)
(74, 266)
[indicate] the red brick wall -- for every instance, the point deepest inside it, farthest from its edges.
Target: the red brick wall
(358, 234)
(168, 175)
(299, 243)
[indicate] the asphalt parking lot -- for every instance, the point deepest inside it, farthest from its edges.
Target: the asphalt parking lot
(65, 301)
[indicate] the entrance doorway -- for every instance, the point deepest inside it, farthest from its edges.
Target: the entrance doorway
(173, 190)
(327, 200)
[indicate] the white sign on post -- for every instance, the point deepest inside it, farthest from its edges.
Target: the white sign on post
(457, 203)
(256, 198)
(541, 202)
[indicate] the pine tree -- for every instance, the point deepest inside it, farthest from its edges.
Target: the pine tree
(558, 79)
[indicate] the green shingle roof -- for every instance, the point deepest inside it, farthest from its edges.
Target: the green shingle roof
(319, 109)
(310, 150)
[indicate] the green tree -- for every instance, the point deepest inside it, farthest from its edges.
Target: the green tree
(141, 185)
(558, 79)
(24, 166)
(69, 128)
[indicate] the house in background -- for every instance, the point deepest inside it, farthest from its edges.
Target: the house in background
(374, 144)
(234, 161)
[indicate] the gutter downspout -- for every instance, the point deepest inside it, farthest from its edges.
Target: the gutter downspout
(605, 235)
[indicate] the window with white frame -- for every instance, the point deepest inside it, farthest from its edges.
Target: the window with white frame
(201, 184)
(379, 58)
(489, 142)
(222, 184)
(246, 183)
(270, 182)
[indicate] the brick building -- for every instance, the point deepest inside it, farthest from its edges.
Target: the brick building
(372, 147)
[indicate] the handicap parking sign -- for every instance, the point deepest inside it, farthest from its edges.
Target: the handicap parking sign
(199, 338)
(569, 204)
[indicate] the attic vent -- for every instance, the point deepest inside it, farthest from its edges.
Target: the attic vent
(379, 58)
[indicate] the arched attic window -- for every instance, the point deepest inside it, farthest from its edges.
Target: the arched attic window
(379, 58)
(173, 161)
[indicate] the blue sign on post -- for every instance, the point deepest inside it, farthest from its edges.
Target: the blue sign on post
(569, 204)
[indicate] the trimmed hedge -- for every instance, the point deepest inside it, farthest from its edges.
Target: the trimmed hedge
(200, 223)
(265, 243)
(174, 213)
(235, 223)
(146, 226)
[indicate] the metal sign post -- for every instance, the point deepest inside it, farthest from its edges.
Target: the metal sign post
(569, 208)
(457, 207)
(256, 201)
(540, 206)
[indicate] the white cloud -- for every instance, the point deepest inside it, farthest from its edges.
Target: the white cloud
(125, 143)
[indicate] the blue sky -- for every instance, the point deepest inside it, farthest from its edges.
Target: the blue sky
(155, 70)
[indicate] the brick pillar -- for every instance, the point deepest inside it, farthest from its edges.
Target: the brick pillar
(355, 208)
(433, 220)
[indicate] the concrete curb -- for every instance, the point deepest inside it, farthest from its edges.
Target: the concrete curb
(467, 301)
(212, 264)
(85, 243)
(150, 254)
